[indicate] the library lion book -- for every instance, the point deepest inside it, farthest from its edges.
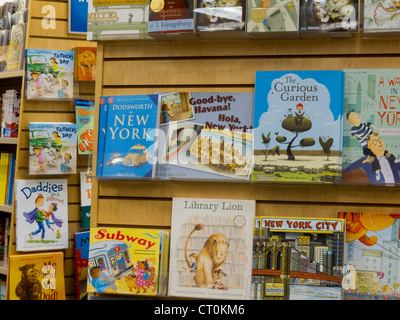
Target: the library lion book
(298, 126)
(211, 248)
(127, 261)
(37, 276)
(41, 212)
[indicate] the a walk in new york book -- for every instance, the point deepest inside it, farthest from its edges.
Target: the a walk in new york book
(371, 126)
(298, 126)
(130, 138)
(211, 248)
(41, 209)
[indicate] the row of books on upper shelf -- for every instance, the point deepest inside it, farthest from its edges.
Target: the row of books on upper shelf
(220, 249)
(298, 126)
(10, 108)
(13, 18)
(50, 74)
(4, 240)
(7, 171)
(193, 19)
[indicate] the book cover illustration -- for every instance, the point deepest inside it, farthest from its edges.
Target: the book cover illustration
(328, 15)
(16, 49)
(130, 141)
(118, 19)
(381, 16)
(213, 142)
(85, 63)
(272, 16)
(298, 258)
(125, 261)
(170, 17)
(86, 198)
(211, 248)
(52, 148)
(102, 125)
(37, 276)
(84, 110)
(298, 126)
(49, 74)
(371, 127)
(41, 214)
(81, 254)
(220, 15)
(372, 256)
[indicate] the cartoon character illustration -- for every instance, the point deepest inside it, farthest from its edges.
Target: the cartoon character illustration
(218, 284)
(137, 155)
(360, 130)
(41, 216)
(382, 167)
(39, 158)
(29, 287)
(65, 165)
(87, 140)
(210, 259)
(192, 268)
(38, 85)
(141, 276)
(100, 281)
(64, 87)
(54, 65)
(166, 112)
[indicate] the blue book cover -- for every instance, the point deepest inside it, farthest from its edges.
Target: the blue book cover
(298, 126)
(205, 135)
(102, 134)
(49, 74)
(130, 140)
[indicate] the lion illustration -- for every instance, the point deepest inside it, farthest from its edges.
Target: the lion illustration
(210, 259)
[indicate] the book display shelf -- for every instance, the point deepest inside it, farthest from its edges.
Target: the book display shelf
(143, 67)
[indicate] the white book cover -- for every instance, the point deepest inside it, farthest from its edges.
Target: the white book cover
(211, 248)
(41, 209)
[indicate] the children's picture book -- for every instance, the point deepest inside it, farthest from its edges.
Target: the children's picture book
(102, 127)
(372, 256)
(298, 126)
(37, 276)
(52, 148)
(381, 16)
(127, 261)
(207, 135)
(15, 59)
(268, 18)
(371, 127)
(84, 110)
(211, 248)
(118, 19)
(86, 198)
(171, 19)
(41, 211)
(298, 258)
(322, 16)
(130, 143)
(81, 254)
(220, 15)
(85, 63)
(4, 240)
(49, 74)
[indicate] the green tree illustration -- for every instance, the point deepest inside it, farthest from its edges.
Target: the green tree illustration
(326, 144)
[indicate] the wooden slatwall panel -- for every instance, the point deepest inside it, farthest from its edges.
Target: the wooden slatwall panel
(148, 67)
(38, 37)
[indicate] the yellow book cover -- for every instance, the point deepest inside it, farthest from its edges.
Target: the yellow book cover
(3, 177)
(124, 261)
(37, 276)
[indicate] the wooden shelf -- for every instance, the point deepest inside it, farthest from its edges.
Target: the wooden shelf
(5, 208)
(8, 140)
(11, 74)
(3, 270)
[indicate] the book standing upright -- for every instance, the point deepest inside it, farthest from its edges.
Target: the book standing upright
(298, 126)
(211, 248)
